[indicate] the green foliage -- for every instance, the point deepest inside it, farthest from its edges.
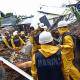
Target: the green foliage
(9, 14)
(73, 9)
(77, 0)
(1, 20)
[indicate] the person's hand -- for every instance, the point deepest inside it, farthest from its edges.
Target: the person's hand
(59, 45)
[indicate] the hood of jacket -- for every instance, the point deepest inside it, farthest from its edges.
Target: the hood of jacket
(48, 50)
(62, 30)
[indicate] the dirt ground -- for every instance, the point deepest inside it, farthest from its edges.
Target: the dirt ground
(9, 55)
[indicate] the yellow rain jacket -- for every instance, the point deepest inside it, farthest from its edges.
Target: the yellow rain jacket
(23, 37)
(7, 43)
(23, 40)
(35, 46)
(67, 56)
(14, 46)
(31, 39)
(46, 50)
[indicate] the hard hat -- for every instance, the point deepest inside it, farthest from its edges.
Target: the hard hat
(35, 26)
(45, 37)
(45, 28)
(62, 24)
(6, 32)
(31, 25)
(14, 33)
(41, 25)
(22, 32)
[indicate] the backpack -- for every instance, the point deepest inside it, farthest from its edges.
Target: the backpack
(76, 41)
(49, 68)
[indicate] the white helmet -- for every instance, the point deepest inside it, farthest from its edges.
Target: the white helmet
(31, 25)
(41, 25)
(35, 26)
(15, 33)
(62, 24)
(45, 37)
(45, 28)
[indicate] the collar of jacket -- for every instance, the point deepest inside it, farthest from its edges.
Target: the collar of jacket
(48, 50)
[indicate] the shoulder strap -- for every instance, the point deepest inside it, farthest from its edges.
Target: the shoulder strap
(65, 34)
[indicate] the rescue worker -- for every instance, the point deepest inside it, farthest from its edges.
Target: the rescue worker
(67, 49)
(33, 34)
(7, 40)
(16, 41)
(46, 62)
(23, 37)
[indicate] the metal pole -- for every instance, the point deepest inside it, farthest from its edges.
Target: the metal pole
(16, 68)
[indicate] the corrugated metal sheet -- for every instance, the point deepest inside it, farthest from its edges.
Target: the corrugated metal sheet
(9, 21)
(26, 21)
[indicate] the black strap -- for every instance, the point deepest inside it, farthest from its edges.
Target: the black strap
(65, 34)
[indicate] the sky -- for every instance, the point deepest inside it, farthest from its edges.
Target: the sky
(28, 7)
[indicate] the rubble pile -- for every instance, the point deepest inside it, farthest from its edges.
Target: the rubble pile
(19, 58)
(11, 55)
(75, 28)
(15, 57)
(10, 29)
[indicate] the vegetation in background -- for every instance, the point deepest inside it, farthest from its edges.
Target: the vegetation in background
(1, 20)
(76, 12)
(8, 14)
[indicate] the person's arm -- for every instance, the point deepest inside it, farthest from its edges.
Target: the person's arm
(22, 42)
(6, 43)
(33, 68)
(24, 65)
(12, 42)
(68, 42)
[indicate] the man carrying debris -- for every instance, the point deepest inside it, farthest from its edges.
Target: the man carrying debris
(7, 39)
(16, 41)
